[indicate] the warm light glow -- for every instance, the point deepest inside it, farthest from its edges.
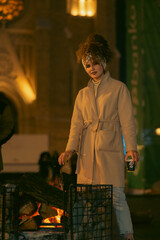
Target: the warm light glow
(90, 13)
(157, 131)
(82, 7)
(48, 221)
(26, 90)
(82, 13)
(55, 219)
(74, 12)
(10, 9)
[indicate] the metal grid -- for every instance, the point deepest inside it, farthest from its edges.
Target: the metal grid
(91, 212)
(8, 212)
(9, 219)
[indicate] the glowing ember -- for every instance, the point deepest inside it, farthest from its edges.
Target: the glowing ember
(55, 219)
(51, 222)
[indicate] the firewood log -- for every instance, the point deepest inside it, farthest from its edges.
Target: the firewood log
(47, 211)
(30, 223)
(27, 205)
(31, 184)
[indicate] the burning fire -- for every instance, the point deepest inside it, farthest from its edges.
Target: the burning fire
(55, 219)
(51, 216)
(60, 212)
(51, 222)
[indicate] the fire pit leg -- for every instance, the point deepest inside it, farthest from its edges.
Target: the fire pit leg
(3, 212)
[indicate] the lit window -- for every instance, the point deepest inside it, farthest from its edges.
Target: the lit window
(82, 7)
(10, 9)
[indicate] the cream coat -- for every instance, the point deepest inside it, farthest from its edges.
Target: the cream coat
(96, 132)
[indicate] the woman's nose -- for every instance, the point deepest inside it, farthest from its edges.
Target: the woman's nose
(92, 66)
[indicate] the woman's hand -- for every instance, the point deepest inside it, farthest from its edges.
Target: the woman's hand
(134, 155)
(64, 156)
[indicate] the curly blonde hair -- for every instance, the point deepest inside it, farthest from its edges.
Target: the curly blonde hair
(96, 48)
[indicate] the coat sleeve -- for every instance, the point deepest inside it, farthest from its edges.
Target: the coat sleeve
(127, 120)
(76, 126)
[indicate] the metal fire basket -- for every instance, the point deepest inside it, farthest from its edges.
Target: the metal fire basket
(8, 212)
(91, 212)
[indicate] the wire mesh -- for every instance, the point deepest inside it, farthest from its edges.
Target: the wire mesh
(91, 212)
(8, 212)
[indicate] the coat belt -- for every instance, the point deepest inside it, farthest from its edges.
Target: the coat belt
(96, 124)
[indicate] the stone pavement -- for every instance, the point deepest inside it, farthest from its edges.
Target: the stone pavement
(145, 211)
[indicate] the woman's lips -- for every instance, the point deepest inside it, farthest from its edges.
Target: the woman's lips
(93, 73)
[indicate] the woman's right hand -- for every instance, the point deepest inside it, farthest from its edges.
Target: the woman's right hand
(64, 156)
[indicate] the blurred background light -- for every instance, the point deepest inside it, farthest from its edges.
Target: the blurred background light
(9, 9)
(87, 8)
(157, 131)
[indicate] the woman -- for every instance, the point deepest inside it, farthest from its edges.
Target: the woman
(102, 112)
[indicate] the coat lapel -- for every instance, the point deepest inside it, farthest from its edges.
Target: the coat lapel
(91, 96)
(92, 100)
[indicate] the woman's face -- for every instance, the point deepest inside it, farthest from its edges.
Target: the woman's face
(94, 70)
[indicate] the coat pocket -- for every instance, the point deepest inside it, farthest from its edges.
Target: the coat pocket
(108, 140)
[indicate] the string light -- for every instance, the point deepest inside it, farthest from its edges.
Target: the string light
(10, 9)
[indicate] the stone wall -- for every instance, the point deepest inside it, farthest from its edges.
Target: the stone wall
(55, 75)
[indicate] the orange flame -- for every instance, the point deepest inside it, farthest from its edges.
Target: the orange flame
(55, 219)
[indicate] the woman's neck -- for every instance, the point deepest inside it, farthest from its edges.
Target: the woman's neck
(96, 81)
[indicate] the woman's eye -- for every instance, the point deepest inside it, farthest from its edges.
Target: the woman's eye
(88, 66)
(96, 63)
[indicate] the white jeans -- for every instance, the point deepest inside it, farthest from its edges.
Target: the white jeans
(122, 211)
